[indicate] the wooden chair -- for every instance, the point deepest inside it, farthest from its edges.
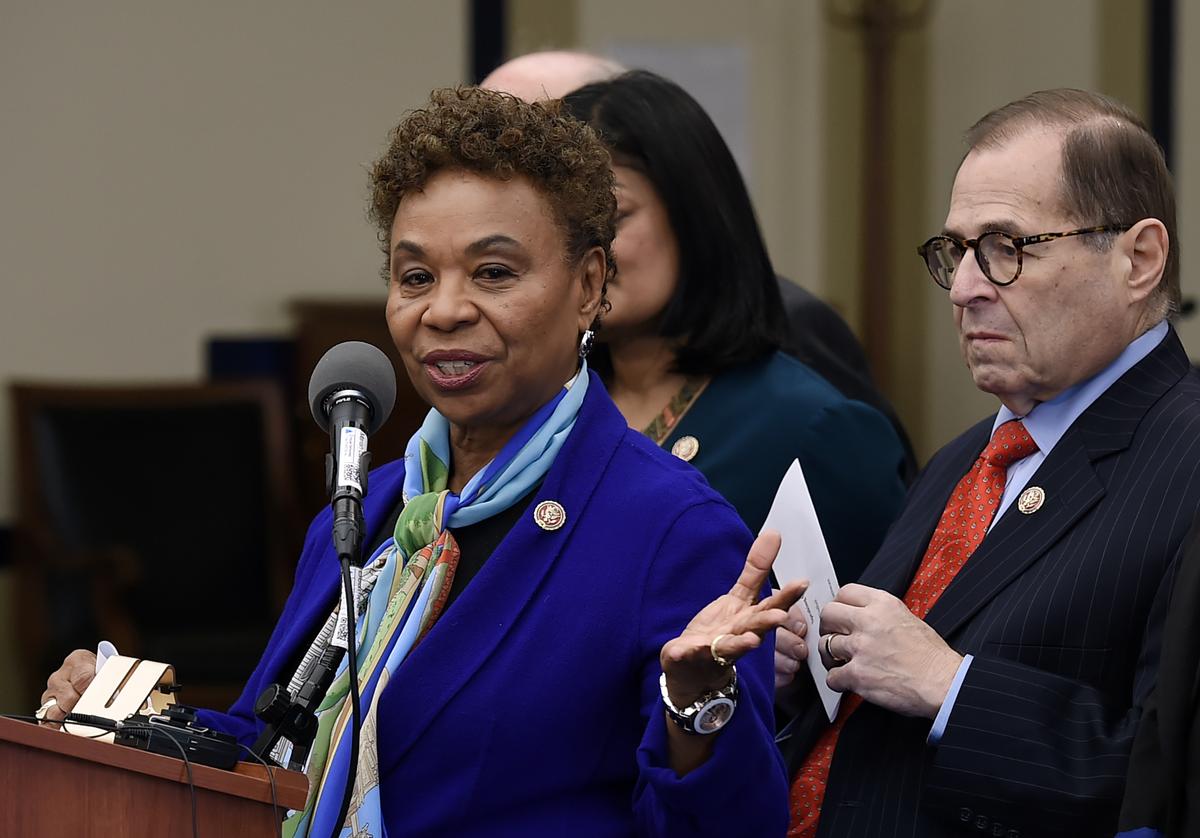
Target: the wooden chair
(162, 518)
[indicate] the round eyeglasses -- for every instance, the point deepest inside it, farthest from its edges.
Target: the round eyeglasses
(998, 254)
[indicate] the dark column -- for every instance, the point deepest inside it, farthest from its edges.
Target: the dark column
(1161, 54)
(488, 25)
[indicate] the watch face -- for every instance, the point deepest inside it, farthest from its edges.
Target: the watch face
(714, 715)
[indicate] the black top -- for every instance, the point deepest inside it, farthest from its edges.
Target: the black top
(475, 542)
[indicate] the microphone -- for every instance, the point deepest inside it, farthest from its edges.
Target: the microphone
(351, 393)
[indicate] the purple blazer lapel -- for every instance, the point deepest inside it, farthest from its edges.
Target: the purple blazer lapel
(491, 606)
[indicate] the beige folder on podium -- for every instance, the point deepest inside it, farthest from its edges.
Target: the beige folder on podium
(122, 688)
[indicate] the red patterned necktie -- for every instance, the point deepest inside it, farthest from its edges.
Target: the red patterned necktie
(964, 522)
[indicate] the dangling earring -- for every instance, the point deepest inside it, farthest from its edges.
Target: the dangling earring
(585, 344)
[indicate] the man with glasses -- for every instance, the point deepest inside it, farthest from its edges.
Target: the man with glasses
(995, 658)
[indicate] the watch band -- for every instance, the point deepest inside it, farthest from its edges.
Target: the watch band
(708, 713)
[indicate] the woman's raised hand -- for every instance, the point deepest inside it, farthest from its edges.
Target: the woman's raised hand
(697, 661)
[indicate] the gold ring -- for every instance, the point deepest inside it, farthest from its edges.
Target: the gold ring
(829, 650)
(712, 650)
(45, 708)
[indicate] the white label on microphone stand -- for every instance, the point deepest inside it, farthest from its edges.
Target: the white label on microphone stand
(341, 631)
(351, 447)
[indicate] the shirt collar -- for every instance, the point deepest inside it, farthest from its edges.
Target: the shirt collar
(1048, 421)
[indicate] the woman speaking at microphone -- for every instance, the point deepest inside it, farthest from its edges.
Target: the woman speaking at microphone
(557, 605)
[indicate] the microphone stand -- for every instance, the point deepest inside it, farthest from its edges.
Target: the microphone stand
(355, 711)
(348, 528)
(294, 718)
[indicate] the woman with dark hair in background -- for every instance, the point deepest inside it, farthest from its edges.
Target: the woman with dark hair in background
(690, 346)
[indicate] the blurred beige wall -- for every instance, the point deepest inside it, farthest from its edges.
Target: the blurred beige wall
(171, 170)
(1186, 162)
(777, 44)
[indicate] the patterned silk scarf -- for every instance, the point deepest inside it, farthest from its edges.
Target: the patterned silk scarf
(402, 591)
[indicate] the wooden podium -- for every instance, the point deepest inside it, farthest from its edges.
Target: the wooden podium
(53, 783)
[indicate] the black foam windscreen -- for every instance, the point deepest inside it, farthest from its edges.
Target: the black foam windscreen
(353, 365)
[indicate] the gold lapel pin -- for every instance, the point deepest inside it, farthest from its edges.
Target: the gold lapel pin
(685, 448)
(1031, 500)
(549, 515)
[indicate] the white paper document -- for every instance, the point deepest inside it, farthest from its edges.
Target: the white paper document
(104, 651)
(803, 555)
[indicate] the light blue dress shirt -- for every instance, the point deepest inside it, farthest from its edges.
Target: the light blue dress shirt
(1047, 423)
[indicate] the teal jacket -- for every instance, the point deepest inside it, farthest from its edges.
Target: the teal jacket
(752, 421)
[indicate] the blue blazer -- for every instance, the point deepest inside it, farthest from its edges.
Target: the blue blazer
(1063, 610)
(533, 707)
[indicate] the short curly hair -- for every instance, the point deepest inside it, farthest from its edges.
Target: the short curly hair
(498, 135)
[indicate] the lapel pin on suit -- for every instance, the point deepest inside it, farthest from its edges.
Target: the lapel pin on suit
(686, 448)
(1031, 500)
(549, 515)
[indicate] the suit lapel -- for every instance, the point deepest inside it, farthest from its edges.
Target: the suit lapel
(1018, 540)
(466, 637)
(1071, 486)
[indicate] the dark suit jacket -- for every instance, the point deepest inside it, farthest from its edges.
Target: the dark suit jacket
(818, 336)
(1062, 609)
(1164, 770)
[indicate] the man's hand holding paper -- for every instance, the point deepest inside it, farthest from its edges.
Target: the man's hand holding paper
(872, 645)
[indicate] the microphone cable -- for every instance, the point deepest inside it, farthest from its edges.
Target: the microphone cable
(355, 711)
(110, 726)
(270, 776)
(268, 767)
(20, 717)
(187, 763)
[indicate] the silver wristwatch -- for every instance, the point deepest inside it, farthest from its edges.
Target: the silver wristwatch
(708, 713)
